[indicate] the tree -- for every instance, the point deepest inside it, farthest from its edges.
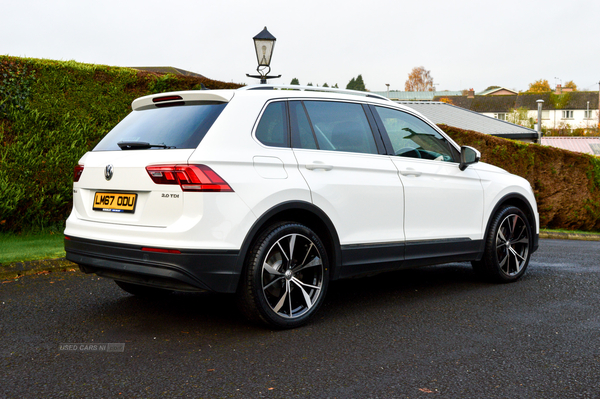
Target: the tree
(295, 82)
(419, 79)
(539, 86)
(518, 116)
(492, 87)
(360, 84)
(335, 86)
(351, 84)
(309, 84)
(325, 84)
(356, 84)
(571, 85)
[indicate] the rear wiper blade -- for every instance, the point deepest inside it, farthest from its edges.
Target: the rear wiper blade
(139, 145)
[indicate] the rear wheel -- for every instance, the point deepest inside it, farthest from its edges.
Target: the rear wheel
(142, 290)
(507, 247)
(286, 276)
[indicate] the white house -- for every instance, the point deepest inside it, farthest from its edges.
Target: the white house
(560, 110)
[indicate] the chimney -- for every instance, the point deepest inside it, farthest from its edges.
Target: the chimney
(558, 89)
(471, 93)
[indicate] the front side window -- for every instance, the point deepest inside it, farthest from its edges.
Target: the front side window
(332, 126)
(412, 137)
(170, 127)
(272, 129)
(501, 115)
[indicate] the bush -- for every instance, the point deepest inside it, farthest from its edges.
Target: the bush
(53, 112)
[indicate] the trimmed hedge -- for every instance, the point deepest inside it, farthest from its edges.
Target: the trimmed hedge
(566, 184)
(51, 113)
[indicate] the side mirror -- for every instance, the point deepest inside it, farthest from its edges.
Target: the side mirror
(468, 156)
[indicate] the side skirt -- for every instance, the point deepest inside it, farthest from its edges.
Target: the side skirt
(375, 258)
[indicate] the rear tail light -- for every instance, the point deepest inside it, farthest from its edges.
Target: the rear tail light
(77, 173)
(189, 177)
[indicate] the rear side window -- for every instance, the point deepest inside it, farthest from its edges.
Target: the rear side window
(272, 129)
(336, 126)
(173, 127)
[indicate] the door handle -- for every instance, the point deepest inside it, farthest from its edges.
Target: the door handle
(318, 165)
(410, 171)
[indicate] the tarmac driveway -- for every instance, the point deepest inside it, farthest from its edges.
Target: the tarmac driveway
(430, 332)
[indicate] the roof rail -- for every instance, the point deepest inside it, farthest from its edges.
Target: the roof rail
(313, 88)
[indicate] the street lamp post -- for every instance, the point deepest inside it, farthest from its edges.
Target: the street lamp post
(264, 43)
(539, 124)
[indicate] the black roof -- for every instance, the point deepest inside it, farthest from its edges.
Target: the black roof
(442, 113)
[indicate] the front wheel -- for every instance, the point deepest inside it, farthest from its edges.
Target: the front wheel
(507, 247)
(286, 276)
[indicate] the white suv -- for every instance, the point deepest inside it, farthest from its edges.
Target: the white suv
(271, 192)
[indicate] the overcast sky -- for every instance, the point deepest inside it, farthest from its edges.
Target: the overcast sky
(464, 43)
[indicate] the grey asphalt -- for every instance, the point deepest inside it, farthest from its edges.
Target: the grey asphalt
(430, 332)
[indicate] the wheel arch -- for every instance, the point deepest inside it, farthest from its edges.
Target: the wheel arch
(300, 212)
(521, 202)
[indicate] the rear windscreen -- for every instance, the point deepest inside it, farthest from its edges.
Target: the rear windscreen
(169, 127)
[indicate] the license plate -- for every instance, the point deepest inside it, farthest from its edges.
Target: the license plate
(115, 202)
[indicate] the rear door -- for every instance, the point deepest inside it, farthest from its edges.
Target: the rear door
(356, 186)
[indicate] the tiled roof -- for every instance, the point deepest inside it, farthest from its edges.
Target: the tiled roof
(588, 145)
(576, 100)
(491, 91)
(442, 113)
(416, 95)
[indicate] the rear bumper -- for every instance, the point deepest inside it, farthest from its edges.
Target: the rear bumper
(190, 270)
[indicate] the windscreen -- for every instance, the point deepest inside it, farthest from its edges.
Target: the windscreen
(169, 127)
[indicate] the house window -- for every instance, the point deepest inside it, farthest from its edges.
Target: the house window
(567, 114)
(545, 114)
(587, 114)
(501, 116)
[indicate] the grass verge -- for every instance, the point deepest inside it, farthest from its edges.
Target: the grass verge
(31, 246)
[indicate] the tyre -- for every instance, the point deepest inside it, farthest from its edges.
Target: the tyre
(507, 247)
(285, 277)
(142, 290)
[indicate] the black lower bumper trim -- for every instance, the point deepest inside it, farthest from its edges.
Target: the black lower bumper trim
(186, 271)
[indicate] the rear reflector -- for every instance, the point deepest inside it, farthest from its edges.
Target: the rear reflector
(77, 173)
(161, 250)
(188, 177)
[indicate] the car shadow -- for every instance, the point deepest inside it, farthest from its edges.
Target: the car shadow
(210, 311)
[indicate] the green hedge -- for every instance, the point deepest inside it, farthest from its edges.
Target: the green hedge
(51, 113)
